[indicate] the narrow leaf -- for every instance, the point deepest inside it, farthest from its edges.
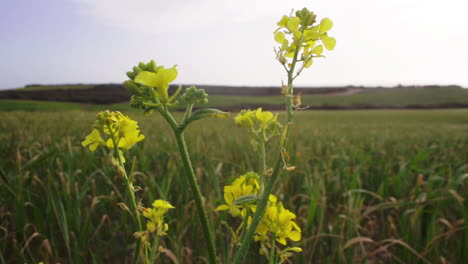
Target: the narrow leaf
(204, 113)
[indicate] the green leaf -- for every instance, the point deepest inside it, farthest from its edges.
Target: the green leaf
(279, 37)
(329, 42)
(308, 63)
(204, 113)
(325, 25)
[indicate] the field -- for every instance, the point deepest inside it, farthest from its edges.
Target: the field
(382, 186)
(236, 98)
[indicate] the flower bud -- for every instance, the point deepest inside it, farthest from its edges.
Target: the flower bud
(142, 65)
(298, 14)
(302, 14)
(137, 70)
(131, 75)
(310, 19)
(151, 66)
(133, 88)
(282, 59)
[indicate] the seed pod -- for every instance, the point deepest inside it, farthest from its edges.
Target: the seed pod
(246, 199)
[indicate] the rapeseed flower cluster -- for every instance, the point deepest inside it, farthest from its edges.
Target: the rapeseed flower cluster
(113, 130)
(276, 224)
(156, 78)
(299, 34)
(245, 187)
(262, 124)
(155, 217)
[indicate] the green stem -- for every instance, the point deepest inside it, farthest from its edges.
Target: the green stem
(261, 206)
(131, 191)
(262, 166)
(273, 251)
(188, 113)
(154, 250)
(207, 230)
(289, 96)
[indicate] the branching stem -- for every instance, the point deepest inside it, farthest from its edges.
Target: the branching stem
(261, 206)
(182, 146)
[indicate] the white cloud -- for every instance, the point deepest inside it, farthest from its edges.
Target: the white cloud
(156, 16)
(378, 41)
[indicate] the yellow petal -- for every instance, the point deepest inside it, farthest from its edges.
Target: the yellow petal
(94, 139)
(293, 24)
(279, 37)
(222, 207)
(294, 235)
(281, 240)
(325, 25)
(295, 249)
(329, 42)
(283, 22)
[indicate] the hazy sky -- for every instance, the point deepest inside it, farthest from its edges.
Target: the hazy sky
(230, 41)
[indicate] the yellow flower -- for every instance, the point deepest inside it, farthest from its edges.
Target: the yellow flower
(244, 118)
(279, 222)
(262, 124)
(155, 217)
(117, 129)
(243, 186)
(159, 80)
(301, 35)
(93, 140)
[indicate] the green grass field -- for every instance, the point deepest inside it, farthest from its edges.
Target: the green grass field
(376, 98)
(28, 105)
(381, 186)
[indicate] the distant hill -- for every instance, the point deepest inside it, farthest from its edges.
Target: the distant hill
(233, 97)
(116, 93)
